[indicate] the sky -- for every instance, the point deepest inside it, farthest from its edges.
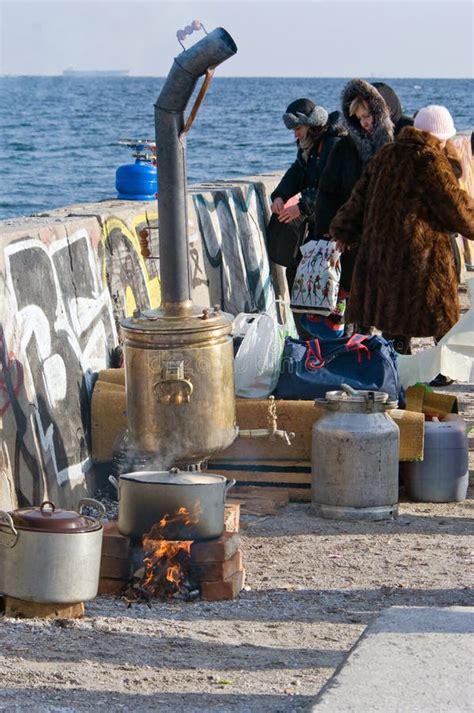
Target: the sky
(275, 38)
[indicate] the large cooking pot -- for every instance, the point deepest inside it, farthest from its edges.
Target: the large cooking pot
(51, 555)
(145, 497)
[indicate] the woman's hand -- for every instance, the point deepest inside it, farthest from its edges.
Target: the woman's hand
(290, 213)
(278, 205)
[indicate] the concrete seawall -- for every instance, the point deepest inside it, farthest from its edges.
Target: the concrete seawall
(67, 279)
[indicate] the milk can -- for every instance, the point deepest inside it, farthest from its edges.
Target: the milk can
(355, 454)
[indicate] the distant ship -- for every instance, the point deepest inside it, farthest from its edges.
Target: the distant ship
(95, 72)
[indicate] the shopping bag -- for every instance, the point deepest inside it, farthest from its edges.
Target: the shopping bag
(310, 369)
(284, 240)
(316, 284)
(258, 358)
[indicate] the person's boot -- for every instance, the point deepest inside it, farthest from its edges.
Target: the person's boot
(441, 380)
(401, 344)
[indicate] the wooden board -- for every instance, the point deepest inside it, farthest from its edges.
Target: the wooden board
(295, 416)
(108, 419)
(288, 477)
(258, 477)
(31, 610)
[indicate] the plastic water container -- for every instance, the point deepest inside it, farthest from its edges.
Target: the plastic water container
(443, 475)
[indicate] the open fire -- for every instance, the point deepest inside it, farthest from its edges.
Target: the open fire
(166, 560)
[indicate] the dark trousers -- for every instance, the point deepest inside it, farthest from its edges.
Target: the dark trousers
(401, 344)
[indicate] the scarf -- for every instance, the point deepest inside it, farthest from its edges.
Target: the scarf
(306, 145)
(368, 144)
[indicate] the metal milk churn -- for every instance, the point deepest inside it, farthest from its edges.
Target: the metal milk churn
(355, 454)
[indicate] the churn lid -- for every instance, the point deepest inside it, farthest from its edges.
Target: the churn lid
(48, 518)
(367, 397)
(361, 396)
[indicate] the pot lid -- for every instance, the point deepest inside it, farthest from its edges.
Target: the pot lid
(173, 477)
(48, 518)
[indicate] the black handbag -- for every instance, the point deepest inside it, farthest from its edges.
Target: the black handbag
(284, 240)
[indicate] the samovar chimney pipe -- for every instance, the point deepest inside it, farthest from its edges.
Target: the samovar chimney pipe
(195, 62)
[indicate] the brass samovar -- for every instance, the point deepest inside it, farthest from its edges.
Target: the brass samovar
(179, 361)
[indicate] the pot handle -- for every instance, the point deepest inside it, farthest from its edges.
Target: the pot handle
(115, 483)
(91, 503)
(230, 484)
(8, 539)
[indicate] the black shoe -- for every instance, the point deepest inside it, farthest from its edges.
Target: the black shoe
(441, 380)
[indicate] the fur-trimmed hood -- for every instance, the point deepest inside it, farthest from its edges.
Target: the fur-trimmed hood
(367, 145)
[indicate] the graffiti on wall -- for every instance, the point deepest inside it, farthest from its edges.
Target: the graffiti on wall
(133, 282)
(62, 326)
(232, 227)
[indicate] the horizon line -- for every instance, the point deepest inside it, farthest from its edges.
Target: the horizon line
(234, 76)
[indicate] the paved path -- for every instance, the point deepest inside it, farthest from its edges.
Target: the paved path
(408, 660)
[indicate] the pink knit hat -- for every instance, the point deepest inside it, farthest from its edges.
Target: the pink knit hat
(436, 120)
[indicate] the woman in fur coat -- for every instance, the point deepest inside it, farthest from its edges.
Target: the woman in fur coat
(399, 215)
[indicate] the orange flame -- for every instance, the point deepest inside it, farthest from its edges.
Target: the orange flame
(167, 561)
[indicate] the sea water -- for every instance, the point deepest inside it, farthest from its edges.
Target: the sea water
(60, 135)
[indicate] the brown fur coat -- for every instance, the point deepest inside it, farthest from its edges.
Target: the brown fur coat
(400, 214)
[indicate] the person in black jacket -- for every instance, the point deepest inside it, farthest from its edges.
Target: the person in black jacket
(369, 127)
(316, 132)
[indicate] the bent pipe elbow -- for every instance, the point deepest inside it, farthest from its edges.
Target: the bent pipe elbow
(191, 64)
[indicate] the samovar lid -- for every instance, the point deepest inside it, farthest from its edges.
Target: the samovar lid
(193, 319)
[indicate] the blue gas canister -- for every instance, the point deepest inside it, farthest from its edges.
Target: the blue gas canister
(138, 181)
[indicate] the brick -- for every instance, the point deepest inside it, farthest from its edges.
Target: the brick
(112, 586)
(217, 571)
(115, 567)
(218, 550)
(232, 517)
(227, 589)
(114, 544)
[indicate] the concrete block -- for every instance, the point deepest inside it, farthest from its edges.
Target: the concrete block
(408, 659)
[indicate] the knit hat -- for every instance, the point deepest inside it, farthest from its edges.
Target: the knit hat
(436, 120)
(304, 112)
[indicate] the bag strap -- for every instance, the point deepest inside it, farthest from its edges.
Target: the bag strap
(356, 343)
(314, 359)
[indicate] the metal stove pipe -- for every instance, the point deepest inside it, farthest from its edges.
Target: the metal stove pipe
(193, 63)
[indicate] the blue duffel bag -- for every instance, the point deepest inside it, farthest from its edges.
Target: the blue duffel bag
(311, 368)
